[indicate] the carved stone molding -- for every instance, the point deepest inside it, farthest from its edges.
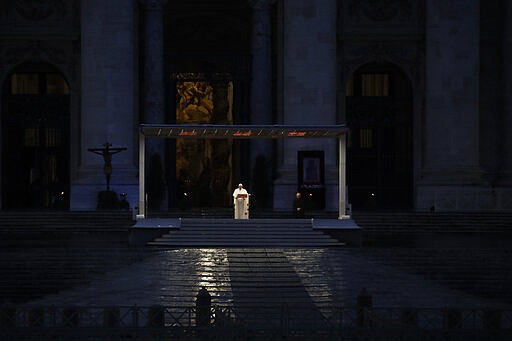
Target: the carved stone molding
(40, 18)
(378, 52)
(154, 4)
(262, 5)
(34, 51)
(39, 52)
(409, 57)
(381, 10)
(39, 10)
(34, 10)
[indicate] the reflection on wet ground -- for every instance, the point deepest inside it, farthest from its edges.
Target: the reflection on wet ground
(325, 277)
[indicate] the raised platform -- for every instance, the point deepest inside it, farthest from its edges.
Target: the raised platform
(224, 232)
(345, 230)
(146, 230)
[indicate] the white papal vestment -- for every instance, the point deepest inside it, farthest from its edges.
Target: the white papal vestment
(241, 203)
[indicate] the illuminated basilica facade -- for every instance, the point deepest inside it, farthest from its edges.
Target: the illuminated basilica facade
(421, 84)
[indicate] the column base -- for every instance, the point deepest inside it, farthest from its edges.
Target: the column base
(284, 192)
(463, 198)
(502, 179)
(84, 197)
(460, 176)
(91, 181)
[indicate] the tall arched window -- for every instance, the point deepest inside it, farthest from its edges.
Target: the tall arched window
(35, 143)
(379, 154)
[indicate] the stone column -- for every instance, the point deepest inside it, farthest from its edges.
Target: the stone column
(507, 88)
(261, 86)
(505, 175)
(309, 91)
(451, 129)
(154, 110)
(108, 100)
(153, 79)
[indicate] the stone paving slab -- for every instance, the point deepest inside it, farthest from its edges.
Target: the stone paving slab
(322, 277)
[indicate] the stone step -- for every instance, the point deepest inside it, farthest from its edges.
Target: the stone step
(282, 244)
(245, 233)
(250, 229)
(246, 243)
(400, 218)
(248, 237)
(227, 213)
(253, 225)
(20, 229)
(59, 216)
(427, 228)
(246, 226)
(245, 222)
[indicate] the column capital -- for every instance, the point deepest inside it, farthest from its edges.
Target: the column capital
(261, 5)
(153, 4)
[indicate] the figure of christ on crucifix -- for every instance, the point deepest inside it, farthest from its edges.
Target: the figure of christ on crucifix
(107, 153)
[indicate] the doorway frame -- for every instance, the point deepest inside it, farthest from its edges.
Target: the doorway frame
(45, 68)
(397, 74)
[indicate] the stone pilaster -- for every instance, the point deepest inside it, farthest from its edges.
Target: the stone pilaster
(261, 84)
(451, 123)
(108, 100)
(501, 192)
(309, 91)
(261, 80)
(506, 171)
(153, 77)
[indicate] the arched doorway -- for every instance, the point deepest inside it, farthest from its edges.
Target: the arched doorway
(35, 142)
(379, 149)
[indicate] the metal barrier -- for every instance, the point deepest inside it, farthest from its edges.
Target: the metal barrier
(121, 322)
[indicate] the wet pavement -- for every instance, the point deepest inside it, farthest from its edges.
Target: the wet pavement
(249, 277)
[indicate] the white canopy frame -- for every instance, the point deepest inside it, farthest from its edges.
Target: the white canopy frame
(210, 131)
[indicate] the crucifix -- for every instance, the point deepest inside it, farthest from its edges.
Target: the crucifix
(107, 153)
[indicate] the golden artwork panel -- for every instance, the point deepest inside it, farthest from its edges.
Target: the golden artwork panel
(203, 167)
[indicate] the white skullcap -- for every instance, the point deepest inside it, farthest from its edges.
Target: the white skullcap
(240, 185)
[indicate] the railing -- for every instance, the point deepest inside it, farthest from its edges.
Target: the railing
(347, 323)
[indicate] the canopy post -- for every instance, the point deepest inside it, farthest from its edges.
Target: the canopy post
(142, 157)
(342, 174)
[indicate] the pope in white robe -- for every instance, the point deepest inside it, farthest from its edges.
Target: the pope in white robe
(241, 202)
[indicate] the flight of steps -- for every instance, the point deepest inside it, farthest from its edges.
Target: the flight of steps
(407, 228)
(43, 252)
(44, 228)
(435, 221)
(245, 233)
(227, 213)
(467, 251)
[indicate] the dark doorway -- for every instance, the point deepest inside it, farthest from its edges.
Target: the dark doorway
(35, 152)
(379, 153)
(208, 62)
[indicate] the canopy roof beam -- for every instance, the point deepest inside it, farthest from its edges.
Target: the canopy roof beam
(212, 131)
